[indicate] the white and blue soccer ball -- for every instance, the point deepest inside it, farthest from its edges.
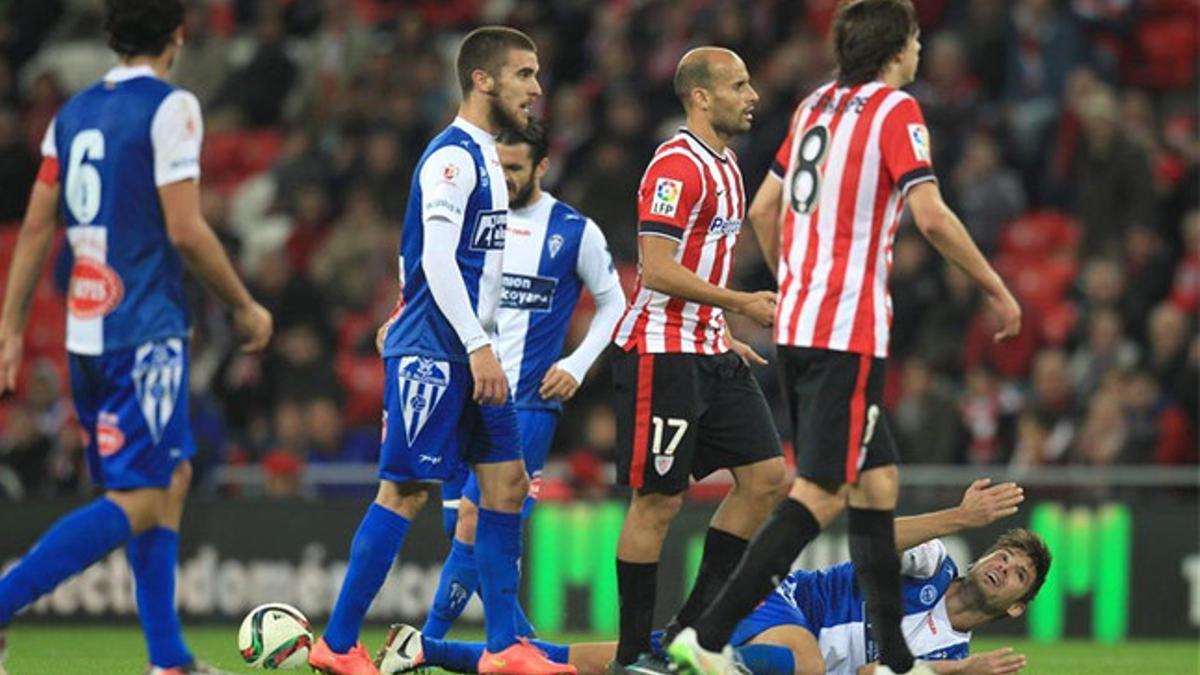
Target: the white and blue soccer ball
(275, 636)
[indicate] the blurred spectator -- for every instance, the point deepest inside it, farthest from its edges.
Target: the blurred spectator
(1167, 357)
(987, 412)
(915, 291)
(254, 95)
(987, 194)
(949, 96)
(18, 166)
(310, 225)
(1159, 431)
(1109, 176)
(926, 424)
(203, 63)
(356, 255)
(1102, 436)
(40, 106)
(24, 448)
(1106, 350)
(587, 460)
(1053, 403)
(1185, 289)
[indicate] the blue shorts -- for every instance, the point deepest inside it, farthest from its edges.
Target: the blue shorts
(133, 405)
(774, 611)
(432, 429)
(537, 426)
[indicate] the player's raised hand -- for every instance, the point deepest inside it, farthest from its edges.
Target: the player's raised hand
(1009, 314)
(758, 306)
(558, 385)
(254, 324)
(984, 503)
(491, 387)
(12, 346)
(1001, 661)
(747, 353)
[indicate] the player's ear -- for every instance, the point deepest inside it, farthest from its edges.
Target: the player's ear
(1015, 610)
(482, 81)
(541, 168)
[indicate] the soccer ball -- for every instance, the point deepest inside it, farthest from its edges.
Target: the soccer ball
(275, 636)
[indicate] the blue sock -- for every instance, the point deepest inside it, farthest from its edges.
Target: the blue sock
(768, 659)
(458, 657)
(70, 545)
(372, 553)
(497, 555)
(521, 622)
(460, 580)
(557, 653)
(449, 521)
(152, 557)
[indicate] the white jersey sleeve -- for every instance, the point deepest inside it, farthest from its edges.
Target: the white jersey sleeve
(924, 560)
(595, 267)
(176, 134)
(447, 178)
(49, 149)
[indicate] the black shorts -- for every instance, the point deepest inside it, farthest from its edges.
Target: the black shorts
(681, 415)
(835, 400)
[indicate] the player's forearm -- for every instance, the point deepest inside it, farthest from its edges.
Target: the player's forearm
(445, 280)
(205, 257)
(949, 236)
(913, 531)
(609, 307)
(948, 667)
(669, 277)
(29, 255)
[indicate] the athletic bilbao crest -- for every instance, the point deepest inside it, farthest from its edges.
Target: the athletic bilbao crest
(423, 382)
(663, 463)
(157, 376)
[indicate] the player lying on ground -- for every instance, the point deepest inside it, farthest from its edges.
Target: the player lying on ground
(813, 622)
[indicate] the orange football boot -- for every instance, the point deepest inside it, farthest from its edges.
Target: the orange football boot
(522, 658)
(354, 662)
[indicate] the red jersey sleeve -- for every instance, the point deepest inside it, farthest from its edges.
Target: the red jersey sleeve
(906, 150)
(670, 191)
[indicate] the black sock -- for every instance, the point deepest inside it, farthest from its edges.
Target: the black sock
(877, 566)
(767, 560)
(722, 552)
(636, 585)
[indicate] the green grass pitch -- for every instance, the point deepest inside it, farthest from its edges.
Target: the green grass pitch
(118, 650)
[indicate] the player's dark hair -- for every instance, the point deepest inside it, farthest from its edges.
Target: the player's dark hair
(1029, 543)
(869, 33)
(486, 49)
(141, 27)
(533, 135)
(694, 73)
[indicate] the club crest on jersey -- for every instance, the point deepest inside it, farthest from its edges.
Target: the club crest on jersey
(157, 376)
(666, 197)
(663, 463)
(918, 135)
(928, 594)
(554, 244)
(95, 290)
(422, 382)
(489, 231)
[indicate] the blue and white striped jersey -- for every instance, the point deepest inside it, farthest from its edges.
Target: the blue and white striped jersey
(551, 254)
(831, 601)
(116, 143)
(458, 196)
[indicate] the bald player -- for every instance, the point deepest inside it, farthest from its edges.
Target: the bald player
(687, 404)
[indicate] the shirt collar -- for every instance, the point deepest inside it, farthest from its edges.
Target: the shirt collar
(482, 137)
(122, 73)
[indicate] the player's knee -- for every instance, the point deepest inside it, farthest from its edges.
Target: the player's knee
(825, 500)
(468, 517)
(405, 499)
(772, 484)
(656, 510)
(808, 663)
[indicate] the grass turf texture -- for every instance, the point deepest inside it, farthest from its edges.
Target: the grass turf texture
(118, 650)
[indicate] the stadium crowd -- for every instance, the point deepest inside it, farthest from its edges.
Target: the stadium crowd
(1064, 133)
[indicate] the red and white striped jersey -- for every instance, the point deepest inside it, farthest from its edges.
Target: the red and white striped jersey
(850, 156)
(694, 195)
